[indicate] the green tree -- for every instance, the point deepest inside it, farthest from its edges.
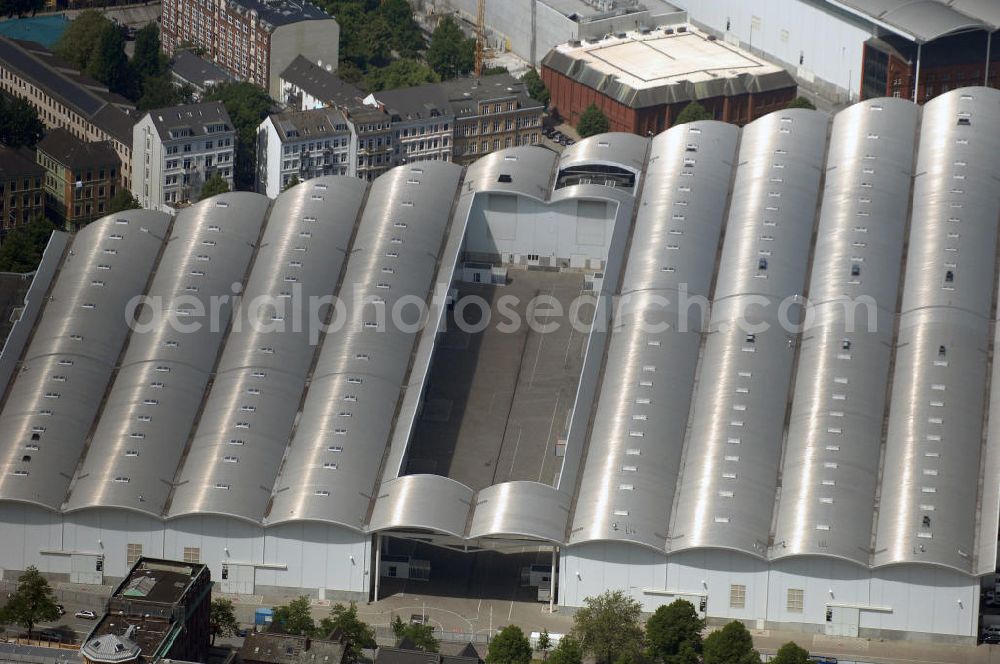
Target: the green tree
(353, 633)
(398, 628)
(123, 200)
(569, 651)
(160, 92)
(791, 653)
(23, 246)
(33, 601)
(402, 73)
(592, 122)
(78, 41)
(692, 113)
(407, 40)
(295, 617)
(608, 626)
(510, 646)
(108, 63)
(223, 618)
(247, 105)
(451, 53)
(421, 636)
(147, 59)
(730, 645)
(293, 182)
(801, 102)
(348, 71)
(671, 628)
(213, 186)
(19, 123)
(376, 41)
(544, 643)
(536, 87)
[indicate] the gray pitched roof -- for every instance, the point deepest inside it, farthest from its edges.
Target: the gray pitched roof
(70, 151)
(320, 83)
(84, 95)
(197, 70)
(191, 116)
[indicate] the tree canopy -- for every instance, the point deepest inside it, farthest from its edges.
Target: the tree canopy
(451, 53)
(608, 626)
(147, 59)
(510, 646)
(352, 631)
(592, 122)
(692, 113)
(223, 618)
(569, 651)
(19, 123)
(79, 40)
(402, 73)
(801, 102)
(671, 629)
(23, 246)
(108, 62)
(536, 86)
(421, 636)
(33, 601)
(213, 186)
(730, 645)
(791, 653)
(123, 200)
(295, 617)
(247, 105)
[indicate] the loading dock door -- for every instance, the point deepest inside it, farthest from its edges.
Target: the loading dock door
(842, 621)
(86, 568)
(238, 579)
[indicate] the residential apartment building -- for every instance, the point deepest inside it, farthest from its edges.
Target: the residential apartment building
(373, 128)
(81, 178)
(254, 40)
(177, 149)
(305, 85)
(21, 197)
(462, 119)
(299, 145)
(64, 98)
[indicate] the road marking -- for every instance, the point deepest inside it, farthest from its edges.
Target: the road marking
(552, 423)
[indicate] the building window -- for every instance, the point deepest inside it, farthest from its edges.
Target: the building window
(132, 554)
(192, 554)
(737, 597)
(796, 600)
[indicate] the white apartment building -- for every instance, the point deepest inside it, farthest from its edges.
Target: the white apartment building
(303, 145)
(175, 150)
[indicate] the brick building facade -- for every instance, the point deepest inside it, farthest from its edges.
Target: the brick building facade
(642, 81)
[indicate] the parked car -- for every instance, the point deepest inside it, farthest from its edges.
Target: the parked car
(86, 614)
(991, 638)
(62, 609)
(417, 619)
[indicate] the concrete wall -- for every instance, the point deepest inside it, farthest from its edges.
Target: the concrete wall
(268, 177)
(893, 602)
(317, 41)
(290, 559)
(830, 43)
(505, 223)
(148, 190)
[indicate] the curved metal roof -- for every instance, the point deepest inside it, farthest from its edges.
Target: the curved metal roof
(148, 416)
(626, 150)
(65, 370)
(430, 502)
(263, 370)
(362, 366)
(638, 431)
(521, 509)
(926, 20)
(727, 485)
(932, 457)
(834, 435)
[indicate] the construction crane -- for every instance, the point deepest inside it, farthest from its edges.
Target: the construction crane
(480, 37)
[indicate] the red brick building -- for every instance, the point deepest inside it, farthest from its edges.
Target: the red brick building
(642, 81)
(889, 65)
